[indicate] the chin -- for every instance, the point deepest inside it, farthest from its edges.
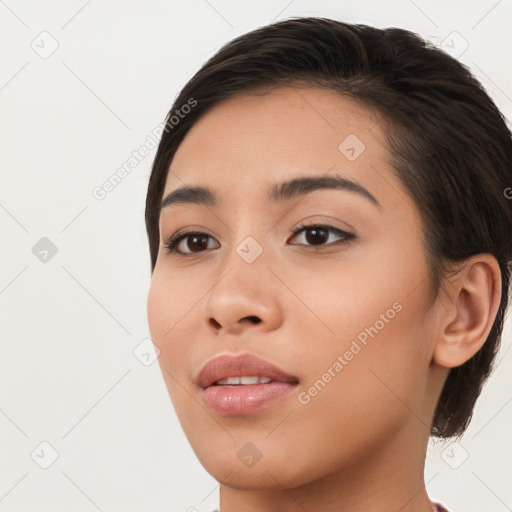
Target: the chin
(271, 472)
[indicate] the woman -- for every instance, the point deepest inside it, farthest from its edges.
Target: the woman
(330, 238)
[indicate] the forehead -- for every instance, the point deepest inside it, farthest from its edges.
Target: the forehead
(251, 141)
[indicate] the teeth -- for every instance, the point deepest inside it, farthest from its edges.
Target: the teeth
(247, 380)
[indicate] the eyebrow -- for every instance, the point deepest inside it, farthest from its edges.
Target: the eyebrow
(283, 191)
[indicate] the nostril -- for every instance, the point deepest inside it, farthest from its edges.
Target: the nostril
(214, 323)
(254, 319)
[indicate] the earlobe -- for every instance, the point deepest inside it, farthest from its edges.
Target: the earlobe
(473, 301)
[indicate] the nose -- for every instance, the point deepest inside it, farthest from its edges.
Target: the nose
(245, 298)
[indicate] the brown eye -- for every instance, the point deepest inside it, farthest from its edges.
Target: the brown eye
(188, 243)
(318, 235)
(196, 242)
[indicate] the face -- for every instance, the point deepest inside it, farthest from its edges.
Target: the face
(328, 282)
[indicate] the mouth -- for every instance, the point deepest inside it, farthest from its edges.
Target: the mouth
(243, 384)
(247, 380)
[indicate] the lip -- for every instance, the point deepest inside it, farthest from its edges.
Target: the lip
(224, 366)
(235, 400)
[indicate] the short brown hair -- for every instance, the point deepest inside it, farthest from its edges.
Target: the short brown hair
(448, 141)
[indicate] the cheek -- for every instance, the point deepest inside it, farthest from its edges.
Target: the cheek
(172, 300)
(164, 311)
(160, 307)
(173, 311)
(339, 303)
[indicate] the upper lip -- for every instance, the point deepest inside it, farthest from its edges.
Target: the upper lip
(224, 366)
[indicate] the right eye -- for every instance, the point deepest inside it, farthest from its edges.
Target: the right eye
(190, 240)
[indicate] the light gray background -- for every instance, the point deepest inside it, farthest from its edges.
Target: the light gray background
(73, 372)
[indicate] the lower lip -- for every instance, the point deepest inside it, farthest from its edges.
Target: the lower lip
(244, 399)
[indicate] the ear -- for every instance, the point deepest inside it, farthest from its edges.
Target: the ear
(472, 300)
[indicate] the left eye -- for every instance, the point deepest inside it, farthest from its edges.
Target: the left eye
(315, 235)
(319, 234)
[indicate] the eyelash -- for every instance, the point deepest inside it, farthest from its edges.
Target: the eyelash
(175, 239)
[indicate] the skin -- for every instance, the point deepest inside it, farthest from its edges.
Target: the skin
(360, 443)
